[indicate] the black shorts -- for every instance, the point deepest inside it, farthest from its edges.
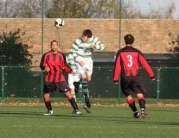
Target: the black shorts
(52, 86)
(132, 84)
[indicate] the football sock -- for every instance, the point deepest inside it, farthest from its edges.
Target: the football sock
(85, 89)
(73, 103)
(85, 93)
(85, 86)
(86, 97)
(142, 103)
(132, 105)
(74, 96)
(48, 104)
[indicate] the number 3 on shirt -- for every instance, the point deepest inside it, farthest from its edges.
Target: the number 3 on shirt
(130, 63)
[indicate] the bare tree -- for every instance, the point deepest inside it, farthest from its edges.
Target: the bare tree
(105, 9)
(6, 8)
(29, 9)
(86, 9)
(22, 8)
(161, 12)
(82, 9)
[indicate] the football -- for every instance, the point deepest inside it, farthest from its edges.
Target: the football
(59, 22)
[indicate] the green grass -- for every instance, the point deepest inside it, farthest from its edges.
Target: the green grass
(102, 101)
(103, 122)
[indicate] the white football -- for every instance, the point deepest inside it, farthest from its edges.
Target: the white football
(59, 22)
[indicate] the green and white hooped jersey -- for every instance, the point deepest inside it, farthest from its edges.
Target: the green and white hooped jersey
(83, 50)
(71, 62)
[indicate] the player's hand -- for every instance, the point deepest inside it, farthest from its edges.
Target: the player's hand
(93, 46)
(82, 63)
(73, 73)
(153, 79)
(47, 69)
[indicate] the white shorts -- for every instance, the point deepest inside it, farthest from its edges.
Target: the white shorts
(87, 69)
(72, 79)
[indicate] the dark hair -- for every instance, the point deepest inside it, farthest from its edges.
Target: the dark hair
(129, 39)
(53, 41)
(87, 33)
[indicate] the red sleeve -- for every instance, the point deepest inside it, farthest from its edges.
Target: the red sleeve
(117, 69)
(65, 66)
(146, 66)
(43, 62)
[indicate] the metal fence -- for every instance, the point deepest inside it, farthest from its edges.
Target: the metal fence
(23, 82)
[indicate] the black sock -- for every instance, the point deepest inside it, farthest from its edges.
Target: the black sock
(73, 104)
(132, 105)
(87, 101)
(142, 103)
(48, 104)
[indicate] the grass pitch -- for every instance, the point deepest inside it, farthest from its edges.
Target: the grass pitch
(103, 122)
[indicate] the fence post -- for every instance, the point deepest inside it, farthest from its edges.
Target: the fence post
(41, 84)
(2, 85)
(119, 90)
(158, 84)
(42, 49)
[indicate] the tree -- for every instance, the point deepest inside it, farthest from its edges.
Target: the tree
(29, 8)
(13, 51)
(173, 48)
(6, 9)
(105, 9)
(22, 8)
(161, 12)
(82, 9)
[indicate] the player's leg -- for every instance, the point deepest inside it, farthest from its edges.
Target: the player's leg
(48, 87)
(142, 102)
(73, 102)
(126, 89)
(88, 71)
(63, 87)
(140, 90)
(132, 105)
(71, 85)
(85, 91)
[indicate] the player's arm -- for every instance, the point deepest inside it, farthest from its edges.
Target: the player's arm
(117, 69)
(74, 51)
(146, 66)
(71, 62)
(43, 62)
(98, 44)
(65, 65)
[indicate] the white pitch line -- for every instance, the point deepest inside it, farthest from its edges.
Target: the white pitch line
(33, 126)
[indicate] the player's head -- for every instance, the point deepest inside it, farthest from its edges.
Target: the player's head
(86, 35)
(129, 39)
(54, 45)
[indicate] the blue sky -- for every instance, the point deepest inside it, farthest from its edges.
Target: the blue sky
(146, 4)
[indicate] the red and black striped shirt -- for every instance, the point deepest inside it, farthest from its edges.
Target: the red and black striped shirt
(56, 63)
(127, 63)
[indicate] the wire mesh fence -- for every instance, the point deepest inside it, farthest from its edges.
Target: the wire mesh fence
(22, 82)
